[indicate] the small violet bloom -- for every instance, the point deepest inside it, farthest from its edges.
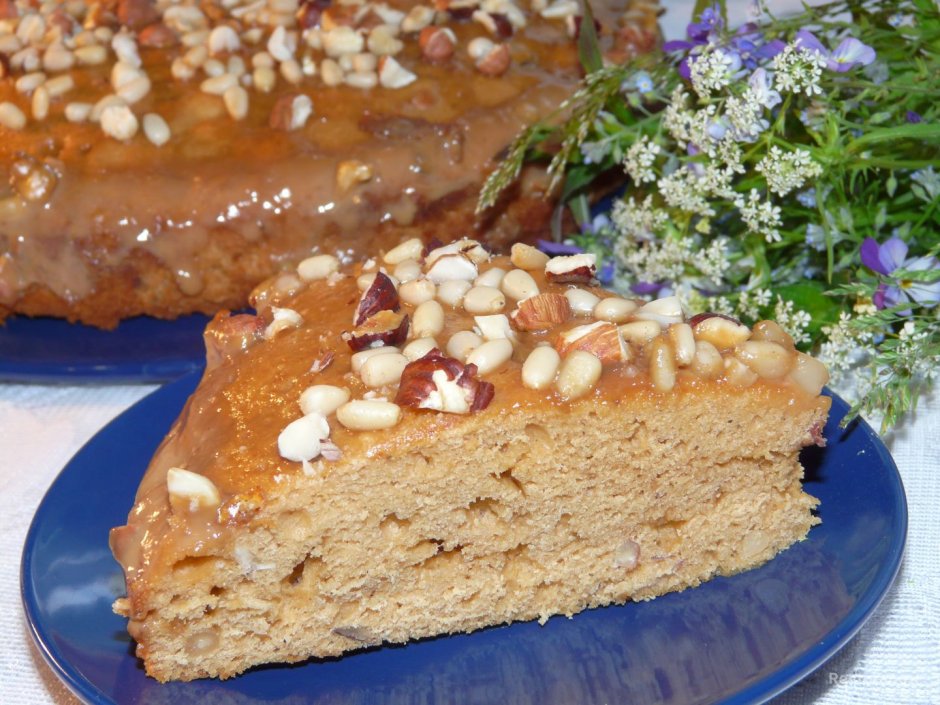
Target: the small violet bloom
(761, 89)
(890, 257)
(647, 288)
(849, 54)
(556, 249)
(913, 117)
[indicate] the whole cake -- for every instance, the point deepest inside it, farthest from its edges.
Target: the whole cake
(165, 156)
(438, 441)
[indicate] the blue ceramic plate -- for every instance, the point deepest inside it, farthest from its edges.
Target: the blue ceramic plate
(141, 349)
(733, 640)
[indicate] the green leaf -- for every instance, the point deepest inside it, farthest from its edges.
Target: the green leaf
(589, 49)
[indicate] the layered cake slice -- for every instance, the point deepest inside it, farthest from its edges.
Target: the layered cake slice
(434, 442)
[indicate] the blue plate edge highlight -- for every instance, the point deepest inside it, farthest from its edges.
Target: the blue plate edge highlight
(756, 693)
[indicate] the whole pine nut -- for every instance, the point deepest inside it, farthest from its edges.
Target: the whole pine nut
(263, 78)
(739, 374)
(462, 343)
(135, 89)
(639, 333)
(359, 359)
(407, 270)
(452, 292)
(323, 399)
(582, 302)
(491, 355)
(491, 277)
(519, 285)
(769, 360)
(683, 342)
(217, 85)
(418, 348)
(527, 257)
(409, 249)
(484, 299)
(809, 373)
(578, 375)
(156, 129)
(368, 414)
(317, 267)
(380, 370)
(77, 112)
(662, 364)
(60, 85)
(11, 116)
(540, 367)
(707, 362)
(614, 309)
(762, 330)
(417, 291)
(40, 103)
(236, 102)
(428, 320)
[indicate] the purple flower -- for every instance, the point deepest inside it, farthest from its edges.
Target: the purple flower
(913, 117)
(890, 257)
(761, 88)
(646, 288)
(849, 54)
(554, 249)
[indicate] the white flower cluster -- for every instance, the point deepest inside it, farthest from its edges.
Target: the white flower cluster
(751, 302)
(711, 71)
(793, 321)
(638, 221)
(683, 189)
(787, 171)
(760, 216)
(639, 160)
(845, 347)
(674, 260)
(910, 350)
(798, 70)
(677, 119)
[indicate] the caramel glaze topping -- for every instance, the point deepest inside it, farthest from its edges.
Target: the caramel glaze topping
(80, 199)
(229, 431)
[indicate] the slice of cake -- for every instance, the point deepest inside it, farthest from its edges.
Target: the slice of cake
(438, 441)
(162, 157)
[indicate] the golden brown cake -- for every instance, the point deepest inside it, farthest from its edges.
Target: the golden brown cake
(161, 157)
(434, 442)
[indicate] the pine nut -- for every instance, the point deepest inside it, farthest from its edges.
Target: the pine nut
(540, 367)
(11, 117)
(484, 299)
(683, 342)
(582, 302)
(359, 359)
(578, 375)
(462, 343)
(29, 82)
(409, 249)
(662, 364)
(614, 309)
(57, 58)
(40, 103)
(323, 399)
(217, 85)
(762, 330)
(291, 71)
(380, 370)
(156, 129)
(418, 348)
(59, 85)
(809, 373)
(527, 257)
(91, 55)
(407, 270)
(769, 360)
(739, 374)
(264, 79)
(368, 414)
(452, 267)
(417, 291)
(707, 362)
(317, 267)
(519, 285)
(236, 102)
(134, 90)
(664, 311)
(428, 320)
(639, 333)
(105, 102)
(181, 71)
(491, 355)
(214, 68)
(491, 277)
(452, 292)
(495, 326)
(119, 122)
(78, 112)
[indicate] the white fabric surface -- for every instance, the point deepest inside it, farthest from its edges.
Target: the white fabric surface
(894, 660)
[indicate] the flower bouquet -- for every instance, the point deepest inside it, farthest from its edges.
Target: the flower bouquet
(787, 168)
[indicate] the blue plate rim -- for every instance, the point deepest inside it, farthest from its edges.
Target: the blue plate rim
(756, 693)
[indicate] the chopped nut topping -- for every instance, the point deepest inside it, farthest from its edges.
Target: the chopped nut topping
(571, 269)
(443, 384)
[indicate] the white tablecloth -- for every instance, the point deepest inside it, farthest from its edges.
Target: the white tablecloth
(894, 660)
